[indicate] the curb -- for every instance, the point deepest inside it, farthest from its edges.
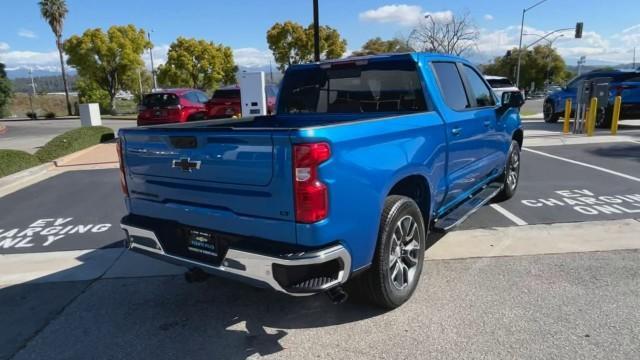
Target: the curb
(67, 158)
(15, 181)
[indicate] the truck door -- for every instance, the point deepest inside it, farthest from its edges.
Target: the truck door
(496, 139)
(466, 132)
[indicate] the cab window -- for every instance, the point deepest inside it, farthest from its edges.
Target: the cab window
(481, 92)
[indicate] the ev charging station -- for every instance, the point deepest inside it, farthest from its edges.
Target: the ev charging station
(252, 96)
(597, 88)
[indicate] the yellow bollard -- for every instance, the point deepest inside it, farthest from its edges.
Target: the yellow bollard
(567, 116)
(591, 119)
(616, 115)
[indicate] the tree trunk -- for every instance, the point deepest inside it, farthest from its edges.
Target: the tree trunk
(64, 75)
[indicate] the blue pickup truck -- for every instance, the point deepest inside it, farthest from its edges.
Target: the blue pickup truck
(338, 191)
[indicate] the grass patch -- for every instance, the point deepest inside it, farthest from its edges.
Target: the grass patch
(72, 141)
(12, 161)
(42, 104)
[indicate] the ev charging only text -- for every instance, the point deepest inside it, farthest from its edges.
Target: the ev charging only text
(588, 203)
(45, 232)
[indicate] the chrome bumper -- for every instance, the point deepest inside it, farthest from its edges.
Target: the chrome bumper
(247, 265)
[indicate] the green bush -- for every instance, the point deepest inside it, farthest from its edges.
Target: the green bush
(32, 115)
(90, 92)
(72, 141)
(50, 115)
(12, 161)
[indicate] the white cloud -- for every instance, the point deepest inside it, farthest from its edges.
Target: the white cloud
(4, 46)
(630, 36)
(252, 57)
(593, 45)
(488, 17)
(14, 59)
(406, 15)
(26, 33)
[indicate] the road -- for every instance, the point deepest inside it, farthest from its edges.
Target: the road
(30, 135)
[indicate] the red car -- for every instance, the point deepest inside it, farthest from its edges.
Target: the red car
(225, 102)
(172, 105)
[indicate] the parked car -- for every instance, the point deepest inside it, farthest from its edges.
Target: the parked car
(172, 106)
(500, 84)
(225, 101)
(623, 83)
(363, 157)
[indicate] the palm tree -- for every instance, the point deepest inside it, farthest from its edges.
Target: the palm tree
(54, 12)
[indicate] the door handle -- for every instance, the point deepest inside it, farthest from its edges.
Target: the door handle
(456, 131)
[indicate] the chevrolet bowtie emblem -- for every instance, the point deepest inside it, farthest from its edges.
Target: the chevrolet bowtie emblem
(186, 164)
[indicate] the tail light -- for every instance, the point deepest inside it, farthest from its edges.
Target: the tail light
(311, 195)
(123, 179)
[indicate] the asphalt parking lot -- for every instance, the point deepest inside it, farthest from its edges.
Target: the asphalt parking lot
(30, 135)
(573, 305)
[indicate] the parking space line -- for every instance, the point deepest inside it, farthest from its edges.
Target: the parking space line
(509, 215)
(584, 164)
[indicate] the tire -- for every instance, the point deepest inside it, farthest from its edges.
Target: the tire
(604, 118)
(549, 112)
(511, 174)
(394, 276)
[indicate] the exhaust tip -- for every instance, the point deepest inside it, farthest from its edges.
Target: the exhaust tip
(337, 295)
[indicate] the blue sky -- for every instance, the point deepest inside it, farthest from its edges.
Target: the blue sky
(610, 31)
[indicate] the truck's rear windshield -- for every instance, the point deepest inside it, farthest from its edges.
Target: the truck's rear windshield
(160, 100)
(388, 86)
(226, 94)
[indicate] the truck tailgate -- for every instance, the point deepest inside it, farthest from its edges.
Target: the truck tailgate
(220, 179)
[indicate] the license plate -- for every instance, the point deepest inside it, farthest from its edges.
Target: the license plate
(203, 243)
(160, 113)
(230, 111)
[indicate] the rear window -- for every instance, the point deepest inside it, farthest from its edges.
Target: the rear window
(389, 86)
(226, 94)
(500, 83)
(160, 100)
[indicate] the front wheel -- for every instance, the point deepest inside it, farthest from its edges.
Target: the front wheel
(399, 256)
(511, 174)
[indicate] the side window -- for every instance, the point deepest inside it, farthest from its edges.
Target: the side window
(484, 96)
(192, 97)
(202, 97)
(451, 86)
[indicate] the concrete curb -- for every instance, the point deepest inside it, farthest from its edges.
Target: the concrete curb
(68, 158)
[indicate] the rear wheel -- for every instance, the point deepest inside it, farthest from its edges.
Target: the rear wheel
(549, 112)
(604, 117)
(399, 256)
(511, 175)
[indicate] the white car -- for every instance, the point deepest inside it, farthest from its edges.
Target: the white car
(500, 84)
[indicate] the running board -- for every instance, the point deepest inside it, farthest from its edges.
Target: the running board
(462, 212)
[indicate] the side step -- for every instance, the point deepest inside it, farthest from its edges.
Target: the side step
(462, 212)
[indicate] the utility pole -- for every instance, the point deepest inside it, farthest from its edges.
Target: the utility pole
(634, 58)
(582, 60)
(270, 71)
(524, 11)
(316, 32)
(153, 69)
(33, 94)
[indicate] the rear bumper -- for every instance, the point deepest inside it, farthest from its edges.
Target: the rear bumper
(302, 273)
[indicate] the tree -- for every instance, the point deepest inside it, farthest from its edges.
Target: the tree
(5, 91)
(539, 65)
(291, 43)
(54, 12)
(108, 60)
(452, 34)
(379, 46)
(199, 64)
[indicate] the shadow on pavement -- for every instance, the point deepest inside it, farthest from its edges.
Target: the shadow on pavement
(627, 151)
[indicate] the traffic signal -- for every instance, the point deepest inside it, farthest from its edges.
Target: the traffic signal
(579, 30)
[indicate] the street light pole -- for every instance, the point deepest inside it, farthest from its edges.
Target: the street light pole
(153, 69)
(316, 32)
(524, 11)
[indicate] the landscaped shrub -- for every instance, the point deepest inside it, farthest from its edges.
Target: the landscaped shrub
(12, 161)
(74, 140)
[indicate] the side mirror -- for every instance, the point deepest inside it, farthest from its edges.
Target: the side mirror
(512, 99)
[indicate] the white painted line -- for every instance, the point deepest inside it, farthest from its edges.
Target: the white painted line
(584, 164)
(509, 215)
